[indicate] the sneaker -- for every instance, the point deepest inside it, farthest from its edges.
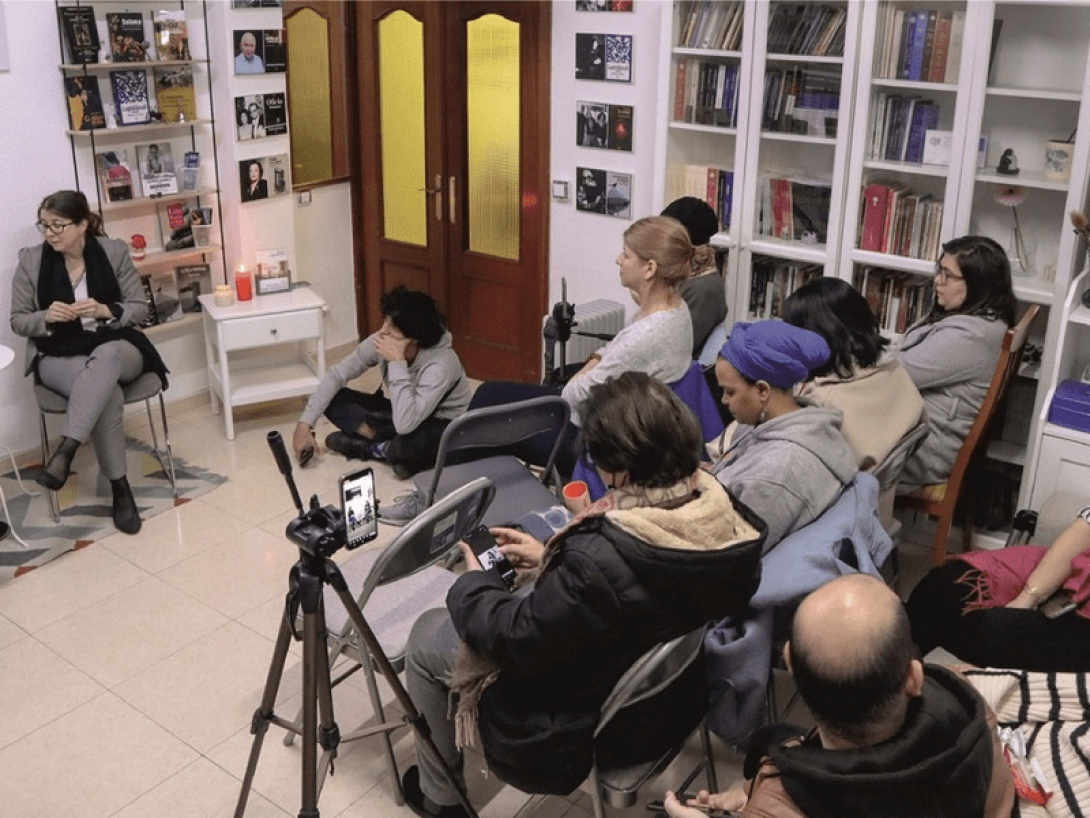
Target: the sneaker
(403, 509)
(351, 446)
(421, 805)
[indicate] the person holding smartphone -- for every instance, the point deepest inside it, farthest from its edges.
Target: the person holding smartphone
(662, 553)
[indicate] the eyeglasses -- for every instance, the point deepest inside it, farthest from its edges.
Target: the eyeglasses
(941, 273)
(53, 227)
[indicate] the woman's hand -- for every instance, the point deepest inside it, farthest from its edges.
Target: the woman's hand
(731, 800)
(1023, 601)
(301, 440)
(521, 549)
(89, 308)
(58, 312)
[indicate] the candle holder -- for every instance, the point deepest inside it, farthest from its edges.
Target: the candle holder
(224, 295)
(244, 283)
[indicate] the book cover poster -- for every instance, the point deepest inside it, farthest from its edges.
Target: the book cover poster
(250, 117)
(131, 97)
(249, 52)
(272, 274)
(619, 195)
(619, 57)
(80, 33)
(193, 281)
(171, 35)
(603, 5)
(127, 42)
(276, 115)
(168, 306)
(591, 124)
(590, 190)
(174, 91)
(115, 174)
(590, 58)
(279, 180)
(252, 182)
(256, 4)
(620, 128)
(176, 221)
(276, 50)
(84, 103)
(156, 163)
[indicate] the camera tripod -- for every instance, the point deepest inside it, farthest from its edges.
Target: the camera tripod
(319, 532)
(559, 330)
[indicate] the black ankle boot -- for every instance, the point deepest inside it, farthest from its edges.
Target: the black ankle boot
(126, 516)
(54, 473)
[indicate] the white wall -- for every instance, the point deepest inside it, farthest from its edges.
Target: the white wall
(583, 246)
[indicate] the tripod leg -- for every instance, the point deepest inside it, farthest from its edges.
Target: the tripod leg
(413, 716)
(264, 713)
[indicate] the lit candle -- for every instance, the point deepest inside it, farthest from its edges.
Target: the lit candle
(244, 283)
(225, 297)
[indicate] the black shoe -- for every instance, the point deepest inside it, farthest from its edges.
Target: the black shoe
(54, 474)
(126, 515)
(351, 446)
(414, 797)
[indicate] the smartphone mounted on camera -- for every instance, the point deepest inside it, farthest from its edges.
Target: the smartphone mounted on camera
(489, 555)
(358, 506)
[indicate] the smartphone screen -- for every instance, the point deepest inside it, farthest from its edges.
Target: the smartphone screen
(358, 506)
(489, 554)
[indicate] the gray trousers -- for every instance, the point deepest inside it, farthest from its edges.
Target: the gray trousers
(92, 384)
(429, 659)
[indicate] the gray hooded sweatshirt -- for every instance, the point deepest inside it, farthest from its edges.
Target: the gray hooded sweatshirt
(789, 469)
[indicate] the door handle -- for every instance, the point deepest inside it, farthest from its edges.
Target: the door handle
(437, 192)
(452, 198)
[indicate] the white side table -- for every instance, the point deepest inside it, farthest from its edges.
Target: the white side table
(257, 349)
(7, 355)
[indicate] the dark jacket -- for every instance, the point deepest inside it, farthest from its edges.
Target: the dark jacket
(945, 763)
(605, 598)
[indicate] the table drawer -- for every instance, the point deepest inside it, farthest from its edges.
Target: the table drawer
(261, 330)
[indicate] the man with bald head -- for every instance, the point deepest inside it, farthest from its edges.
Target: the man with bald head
(893, 737)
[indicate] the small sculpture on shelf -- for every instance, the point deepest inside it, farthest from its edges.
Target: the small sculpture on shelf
(1008, 163)
(139, 247)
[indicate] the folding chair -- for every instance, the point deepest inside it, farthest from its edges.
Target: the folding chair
(395, 584)
(518, 489)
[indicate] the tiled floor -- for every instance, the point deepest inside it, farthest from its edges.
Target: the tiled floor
(129, 670)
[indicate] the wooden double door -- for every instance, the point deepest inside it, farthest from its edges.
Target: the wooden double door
(451, 192)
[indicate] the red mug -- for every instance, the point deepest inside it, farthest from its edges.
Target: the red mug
(576, 496)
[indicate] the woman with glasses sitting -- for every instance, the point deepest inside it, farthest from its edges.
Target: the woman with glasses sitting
(77, 299)
(951, 353)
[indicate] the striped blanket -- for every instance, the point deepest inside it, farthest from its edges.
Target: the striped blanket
(1054, 712)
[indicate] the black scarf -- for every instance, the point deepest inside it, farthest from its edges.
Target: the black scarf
(71, 337)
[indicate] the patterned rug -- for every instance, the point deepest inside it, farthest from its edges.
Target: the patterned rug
(85, 503)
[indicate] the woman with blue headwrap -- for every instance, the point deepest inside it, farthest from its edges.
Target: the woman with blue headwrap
(787, 459)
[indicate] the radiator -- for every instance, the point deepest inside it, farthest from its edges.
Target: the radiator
(600, 316)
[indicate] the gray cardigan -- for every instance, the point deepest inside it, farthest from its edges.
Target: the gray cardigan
(28, 316)
(951, 362)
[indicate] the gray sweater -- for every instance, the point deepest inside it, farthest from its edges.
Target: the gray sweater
(705, 295)
(433, 385)
(789, 469)
(659, 344)
(951, 362)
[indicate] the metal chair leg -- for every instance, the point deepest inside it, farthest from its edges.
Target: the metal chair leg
(168, 465)
(50, 496)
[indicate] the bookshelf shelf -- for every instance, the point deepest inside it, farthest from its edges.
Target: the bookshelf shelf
(104, 67)
(790, 250)
(914, 85)
(901, 264)
(912, 168)
(1043, 94)
(160, 257)
(128, 130)
(706, 52)
(141, 203)
(1026, 178)
(780, 136)
(1033, 290)
(697, 128)
(804, 58)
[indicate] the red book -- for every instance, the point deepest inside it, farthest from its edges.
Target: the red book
(875, 198)
(782, 219)
(937, 69)
(679, 92)
(711, 196)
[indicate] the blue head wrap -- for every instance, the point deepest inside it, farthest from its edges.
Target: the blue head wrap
(774, 351)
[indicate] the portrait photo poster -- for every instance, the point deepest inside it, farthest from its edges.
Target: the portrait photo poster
(603, 5)
(264, 177)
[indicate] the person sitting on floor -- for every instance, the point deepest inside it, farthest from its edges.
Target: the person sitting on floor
(986, 607)
(704, 291)
(893, 737)
(665, 551)
(786, 459)
(428, 389)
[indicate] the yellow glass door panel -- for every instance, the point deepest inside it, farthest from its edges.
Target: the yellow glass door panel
(402, 146)
(492, 112)
(308, 89)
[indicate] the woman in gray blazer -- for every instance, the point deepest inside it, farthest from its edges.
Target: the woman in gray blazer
(951, 353)
(77, 299)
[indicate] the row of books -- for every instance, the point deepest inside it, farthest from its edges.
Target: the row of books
(801, 100)
(172, 294)
(793, 210)
(174, 96)
(922, 45)
(714, 185)
(773, 280)
(706, 93)
(899, 222)
(900, 125)
(807, 28)
(897, 299)
(154, 169)
(711, 24)
(126, 38)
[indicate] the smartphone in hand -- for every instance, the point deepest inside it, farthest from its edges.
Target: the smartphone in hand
(489, 555)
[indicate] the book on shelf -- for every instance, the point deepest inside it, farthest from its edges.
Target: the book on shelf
(114, 174)
(875, 198)
(925, 116)
(80, 33)
(156, 163)
(193, 281)
(712, 184)
(168, 306)
(126, 30)
(936, 71)
(783, 222)
(174, 93)
(191, 169)
(176, 221)
(171, 34)
(85, 110)
(897, 299)
(957, 39)
(924, 69)
(773, 280)
(680, 80)
(810, 205)
(131, 97)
